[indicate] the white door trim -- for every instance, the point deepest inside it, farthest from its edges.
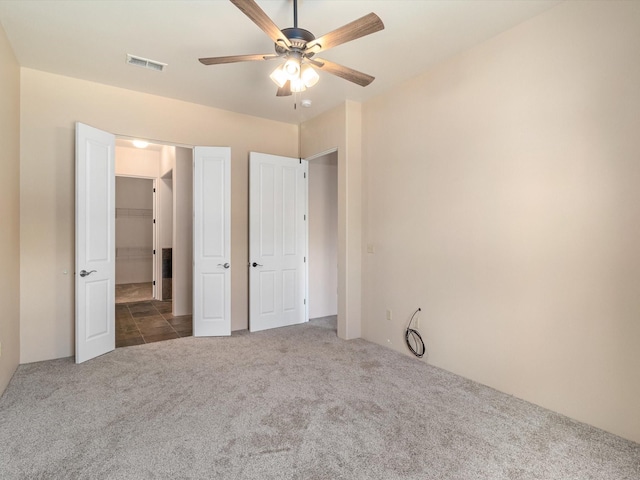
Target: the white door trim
(322, 154)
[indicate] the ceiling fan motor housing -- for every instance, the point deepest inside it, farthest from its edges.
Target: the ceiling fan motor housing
(299, 37)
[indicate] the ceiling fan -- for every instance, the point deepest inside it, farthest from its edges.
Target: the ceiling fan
(297, 46)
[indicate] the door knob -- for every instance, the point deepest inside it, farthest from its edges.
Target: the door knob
(84, 273)
(254, 264)
(225, 265)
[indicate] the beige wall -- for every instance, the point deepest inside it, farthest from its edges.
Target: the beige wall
(502, 193)
(50, 104)
(182, 252)
(323, 236)
(137, 162)
(167, 160)
(9, 211)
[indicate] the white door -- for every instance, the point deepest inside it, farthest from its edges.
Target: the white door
(95, 270)
(212, 241)
(277, 241)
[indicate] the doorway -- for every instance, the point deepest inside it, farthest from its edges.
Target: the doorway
(323, 239)
(201, 224)
(144, 311)
(135, 272)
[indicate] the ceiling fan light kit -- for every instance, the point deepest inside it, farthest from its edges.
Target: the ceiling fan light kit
(297, 45)
(292, 65)
(308, 75)
(279, 76)
(297, 85)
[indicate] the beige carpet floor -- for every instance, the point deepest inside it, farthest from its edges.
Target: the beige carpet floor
(290, 403)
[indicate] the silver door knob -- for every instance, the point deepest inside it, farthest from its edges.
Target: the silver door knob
(254, 264)
(225, 265)
(84, 273)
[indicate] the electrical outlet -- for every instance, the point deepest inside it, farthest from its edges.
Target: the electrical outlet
(389, 315)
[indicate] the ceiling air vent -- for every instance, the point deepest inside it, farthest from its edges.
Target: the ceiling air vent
(145, 63)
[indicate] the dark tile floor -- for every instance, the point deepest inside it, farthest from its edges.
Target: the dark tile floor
(146, 322)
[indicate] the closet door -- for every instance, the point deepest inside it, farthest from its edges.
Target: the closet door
(277, 241)
(95, 270)
(211, 241)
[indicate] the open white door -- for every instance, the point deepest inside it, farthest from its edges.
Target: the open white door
(277, 241)
(95, 270)
(211, 241)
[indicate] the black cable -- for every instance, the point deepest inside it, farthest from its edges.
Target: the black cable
(417, 348)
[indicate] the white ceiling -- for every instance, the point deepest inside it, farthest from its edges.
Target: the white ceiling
(90, 40)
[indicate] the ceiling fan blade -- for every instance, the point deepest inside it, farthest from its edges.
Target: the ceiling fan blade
(341, 71)
(236, 58)
(251, 9)
(358, 28)
(285, 90)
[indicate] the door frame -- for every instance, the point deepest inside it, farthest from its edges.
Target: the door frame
(309, 159)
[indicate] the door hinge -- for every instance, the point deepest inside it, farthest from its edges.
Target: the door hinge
(305, 259)
(305, 217)
(305, 174)
(154, 220)
(154, 282)
(305, 301)
(300, 160)
(154, 251)
(154, 190)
